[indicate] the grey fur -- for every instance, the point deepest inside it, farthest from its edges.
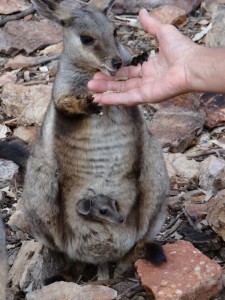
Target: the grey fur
(77, 150)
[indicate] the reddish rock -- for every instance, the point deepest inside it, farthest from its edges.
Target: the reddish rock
(20, 61)
(213, 106)
(216, 214)
(27, 134)
(29, 36)
(187, 275)
(169, 14)
(7, 78)
(12, 6)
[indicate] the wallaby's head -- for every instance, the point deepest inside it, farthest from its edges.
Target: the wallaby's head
(90, 38)
(100, 208)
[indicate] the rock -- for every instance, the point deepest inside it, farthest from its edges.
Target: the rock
(213, 106)
(27, 103)
(34, 263)
(197, 207)
(18, 222)
(71, 291)
(7, 77)
(216, 214)
(211, 169)
(176, 127)
(20, 61)
(169, 14)
(53, 49)
(187, 275)
(12, 6)
(180, 165)
(133, 6)
(27, 134)
(29, 36)
(215, 37)
(8, 171)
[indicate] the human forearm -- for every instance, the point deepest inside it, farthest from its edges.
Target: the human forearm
(205, 70)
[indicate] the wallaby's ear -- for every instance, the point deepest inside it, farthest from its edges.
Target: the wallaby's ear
(51, 10)
(84, 206)
(103, 5)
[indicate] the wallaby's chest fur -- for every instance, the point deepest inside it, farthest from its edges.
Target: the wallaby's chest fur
(79, 151)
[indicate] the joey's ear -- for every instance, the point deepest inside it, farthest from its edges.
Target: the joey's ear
(103, 5)
(84, 206)
(51, 10)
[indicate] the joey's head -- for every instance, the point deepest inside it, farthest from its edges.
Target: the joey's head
(90, 38)
(100, 208)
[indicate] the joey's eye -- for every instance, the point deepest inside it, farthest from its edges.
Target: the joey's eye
(87, 40)
(103, 211)
(115, 32)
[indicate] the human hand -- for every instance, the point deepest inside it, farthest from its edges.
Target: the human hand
(160, 78)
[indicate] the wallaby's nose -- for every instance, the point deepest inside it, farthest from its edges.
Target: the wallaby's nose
(116, 63)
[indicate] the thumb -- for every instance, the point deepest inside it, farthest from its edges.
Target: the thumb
(149, 24)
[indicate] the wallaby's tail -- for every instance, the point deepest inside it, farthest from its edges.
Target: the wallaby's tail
(16, 151)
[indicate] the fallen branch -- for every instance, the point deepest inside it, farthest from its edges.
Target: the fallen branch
(18, 16)
(44, 60)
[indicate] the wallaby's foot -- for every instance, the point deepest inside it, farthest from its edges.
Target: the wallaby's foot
(92, 107)
(150, 250)
(139, 59)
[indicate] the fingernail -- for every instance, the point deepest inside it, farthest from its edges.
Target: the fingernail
(144, 11)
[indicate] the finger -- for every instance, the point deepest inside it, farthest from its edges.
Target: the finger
(149, 24)
(125, 99)
(100, 86)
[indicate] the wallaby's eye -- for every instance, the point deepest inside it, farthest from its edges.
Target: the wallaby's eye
(87, 40)
(103, 211)
(115, 32)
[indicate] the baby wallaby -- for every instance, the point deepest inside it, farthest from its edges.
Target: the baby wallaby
(114, 153)
(100, 208)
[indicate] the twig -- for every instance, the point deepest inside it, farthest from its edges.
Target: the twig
(18, 16)
(43, 60)
(36, 82)
(205, 152)
(8, 122)
(188, 218)
(168, 232)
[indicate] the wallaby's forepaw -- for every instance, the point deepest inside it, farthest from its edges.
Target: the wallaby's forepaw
(139, 59)
(92, 107)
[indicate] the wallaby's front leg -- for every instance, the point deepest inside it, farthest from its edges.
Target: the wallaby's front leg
(70, 105)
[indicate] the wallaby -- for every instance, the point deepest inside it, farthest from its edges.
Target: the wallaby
(113, 153)
(3, 262)
(100, 208)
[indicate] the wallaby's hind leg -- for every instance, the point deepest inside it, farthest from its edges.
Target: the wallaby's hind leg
(40, 196)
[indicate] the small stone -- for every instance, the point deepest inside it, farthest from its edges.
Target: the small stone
(27, 134)
(52, 50)
(8, 171)
(34, 263)
(187, 274)
(216, 214)
(211, 169)
(71, 291)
